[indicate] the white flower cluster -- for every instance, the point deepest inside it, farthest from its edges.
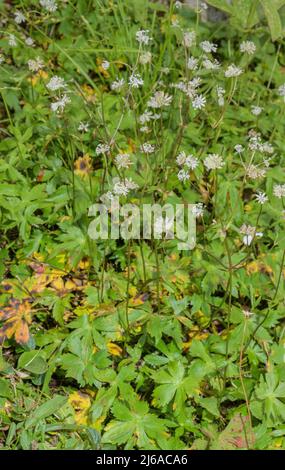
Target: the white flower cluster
(247, 47)
(214, 162)
(56, 83)
(188, 161)
(35, 65)
(233, 71)
(159, 100)
(102, 148)
(123, 160)
(59, 105)
(49, 5)
(279, 190)
(142, 36)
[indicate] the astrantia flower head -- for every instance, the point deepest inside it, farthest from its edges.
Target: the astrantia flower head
(56, 83)
(256, 110)
(142, 36)
(198, 209)
(135, 80)
(145, 58)
(211, 64)
(208, 46)
(117, 84)
(183, 175)
(247, 47)
(189, 38)
(105, 64)
(102, 148)
(233, 71)
(12, 40)
(281, 90)
(59, 105)
(239, 148)
(123, 160)
(147, 148)
(221, 92)
(247, 313)
(199, 102)
(49, 5)
(83, 127)
(19, 17)
(214, 162)
(191, 162)
(254, 172)
(279, 190)
(159, 100)
(261, 197)
(35, 65)
(29, 41)
(192, 63)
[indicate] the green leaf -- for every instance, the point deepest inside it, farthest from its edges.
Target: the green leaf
(45, 410)
(33, 362)
(273, 18)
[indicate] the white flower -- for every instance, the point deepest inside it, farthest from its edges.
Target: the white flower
(19, 17)
(60, 104)
(192, 63)
(189, 38)
(135, 80)
(56, 83)
(266, 147)
(178, 4)
(142, 36)
(198, 209)
(250, 233)
(279, 190)
(123, 187)
(233, 71)
(211, 65)
(199, 102)
(220, 92)
(204, 6)
(261, 197)
(254, 172)
(159, 100)
(29, 41)
(247, 313)
(256, 110)
(1, 59)
(147, 148)
(83, 127)
(183, 175)
(281, 90)
(247, 47)
(49, 5)
(145, 117)
(213, 162)
(144, 129)
(208, 46)
(191, 162)
(35, 65)
(12, 40)
(122, 160)
(239, 148)
(117, 84)
(105, 64)
(145, 58)
(102, 148)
